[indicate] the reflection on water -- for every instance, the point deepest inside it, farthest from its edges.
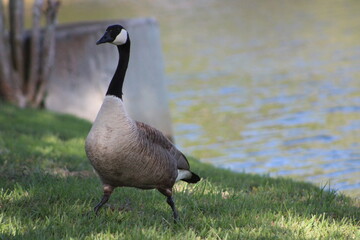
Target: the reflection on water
(260, 86)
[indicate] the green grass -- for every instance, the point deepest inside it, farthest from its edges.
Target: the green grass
(48, 190)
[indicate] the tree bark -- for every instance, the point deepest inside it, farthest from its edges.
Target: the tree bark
(48, 54)
(5, 85)
(16, 13)
(34, 61)
(10, 82)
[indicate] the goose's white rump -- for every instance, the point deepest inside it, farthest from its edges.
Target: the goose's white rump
(183, 174)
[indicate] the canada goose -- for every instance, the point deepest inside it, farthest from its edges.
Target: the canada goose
(127, 153)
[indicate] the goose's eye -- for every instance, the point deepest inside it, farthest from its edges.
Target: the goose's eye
(112, 33)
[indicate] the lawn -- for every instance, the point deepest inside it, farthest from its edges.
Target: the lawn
(48, 190)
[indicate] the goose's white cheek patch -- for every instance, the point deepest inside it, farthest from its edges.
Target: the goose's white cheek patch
(121, 38)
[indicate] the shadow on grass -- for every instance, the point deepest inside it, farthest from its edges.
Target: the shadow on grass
(35, 139)
(38, 123)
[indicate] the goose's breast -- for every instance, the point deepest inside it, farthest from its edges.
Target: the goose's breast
(108, 148)
(111, 134)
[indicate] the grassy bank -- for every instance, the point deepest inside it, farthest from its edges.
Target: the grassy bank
(48, 190)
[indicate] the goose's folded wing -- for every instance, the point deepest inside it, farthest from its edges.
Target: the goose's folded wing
(154, 136)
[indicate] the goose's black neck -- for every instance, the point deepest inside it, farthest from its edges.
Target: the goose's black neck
(116, 84)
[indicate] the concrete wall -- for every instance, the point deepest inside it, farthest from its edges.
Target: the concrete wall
(83, 71)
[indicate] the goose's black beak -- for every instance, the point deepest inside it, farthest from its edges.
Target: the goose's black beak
(105, 39)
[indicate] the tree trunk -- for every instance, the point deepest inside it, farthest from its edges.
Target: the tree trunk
(34, 52)
(48, 53)
(6, 89)
(20, 84)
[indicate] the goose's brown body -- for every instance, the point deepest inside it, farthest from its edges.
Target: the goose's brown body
(128, 153)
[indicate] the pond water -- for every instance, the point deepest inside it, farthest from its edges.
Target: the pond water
(267, 86)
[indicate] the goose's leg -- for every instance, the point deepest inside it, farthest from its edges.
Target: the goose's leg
(107, 192)
(170, 201)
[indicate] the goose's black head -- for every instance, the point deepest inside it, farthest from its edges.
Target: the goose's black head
(114, 34)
